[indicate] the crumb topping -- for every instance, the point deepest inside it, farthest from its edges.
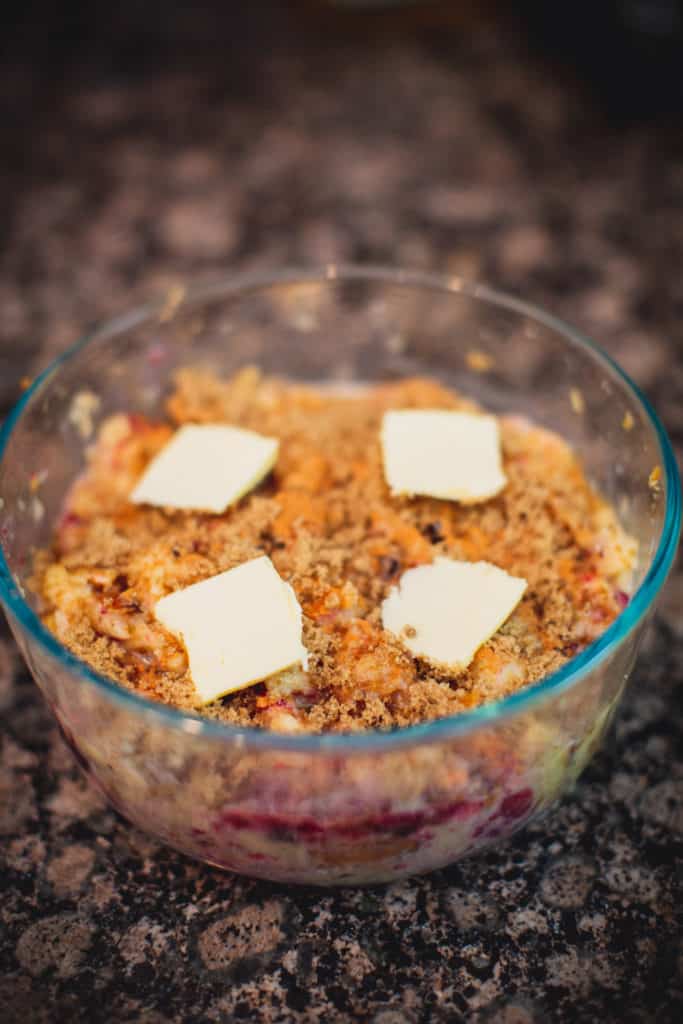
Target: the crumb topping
(327, 520)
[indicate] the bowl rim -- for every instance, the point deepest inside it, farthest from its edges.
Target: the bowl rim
(372, 741)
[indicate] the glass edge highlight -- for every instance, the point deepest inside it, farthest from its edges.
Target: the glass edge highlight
(439, 729)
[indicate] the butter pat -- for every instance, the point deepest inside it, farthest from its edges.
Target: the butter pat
(206, 467)
(442, 454)
(444, 612)
(238, 627)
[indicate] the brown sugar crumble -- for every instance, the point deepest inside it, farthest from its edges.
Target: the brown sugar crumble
(328, 522)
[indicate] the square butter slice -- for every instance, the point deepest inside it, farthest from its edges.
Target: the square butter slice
(445, 611)
(442, 454)
(238, 627)
(206, 467)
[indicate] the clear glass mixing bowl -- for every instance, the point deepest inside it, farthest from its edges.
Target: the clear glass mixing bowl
(339, 808)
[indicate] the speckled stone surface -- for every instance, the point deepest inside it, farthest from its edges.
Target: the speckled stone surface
(273, 145)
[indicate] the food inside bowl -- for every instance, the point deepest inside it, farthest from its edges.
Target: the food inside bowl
(293, 559)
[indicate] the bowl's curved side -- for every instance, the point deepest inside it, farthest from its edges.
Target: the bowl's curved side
(333, 808)
(350, 818)
(232, 288)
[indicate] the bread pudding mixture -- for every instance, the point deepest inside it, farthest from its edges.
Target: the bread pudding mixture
(328, 521)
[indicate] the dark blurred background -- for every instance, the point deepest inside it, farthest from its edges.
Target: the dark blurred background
(537, 144)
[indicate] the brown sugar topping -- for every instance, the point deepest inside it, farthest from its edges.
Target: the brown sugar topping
(328, 522)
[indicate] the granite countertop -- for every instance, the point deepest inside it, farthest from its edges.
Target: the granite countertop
(269, 144)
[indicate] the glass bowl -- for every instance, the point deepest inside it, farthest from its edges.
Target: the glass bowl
(369, 807)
